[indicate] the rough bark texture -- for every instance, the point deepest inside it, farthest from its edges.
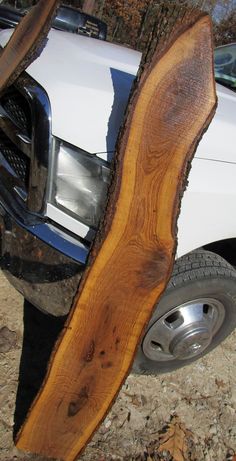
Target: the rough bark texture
(172, 104)
(88, 6)
(27, 42)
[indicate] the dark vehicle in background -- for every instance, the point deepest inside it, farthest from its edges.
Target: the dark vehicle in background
(9, 16)
(73, 20)
(68, 19)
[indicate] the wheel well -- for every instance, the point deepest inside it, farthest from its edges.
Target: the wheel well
(224, 248)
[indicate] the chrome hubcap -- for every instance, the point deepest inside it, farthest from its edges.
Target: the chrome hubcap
(185, 331)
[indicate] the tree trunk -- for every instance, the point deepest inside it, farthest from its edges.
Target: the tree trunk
(131, 261)
(88, 6)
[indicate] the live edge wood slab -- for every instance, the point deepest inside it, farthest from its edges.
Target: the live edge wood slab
(131, 261)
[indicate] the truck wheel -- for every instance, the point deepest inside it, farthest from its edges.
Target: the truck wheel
(195, 314)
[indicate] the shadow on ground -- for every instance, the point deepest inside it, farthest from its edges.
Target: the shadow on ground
(40, 334)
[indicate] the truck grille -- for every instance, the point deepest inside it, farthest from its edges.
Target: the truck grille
(18, 110)
(25, 141)
(19, 163)
(15, 131)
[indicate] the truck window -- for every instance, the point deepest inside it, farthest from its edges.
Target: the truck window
(225, 65)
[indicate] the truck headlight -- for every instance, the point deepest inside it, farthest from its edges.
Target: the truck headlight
(80, 183)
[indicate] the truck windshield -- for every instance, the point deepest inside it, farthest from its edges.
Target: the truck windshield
(225, 65)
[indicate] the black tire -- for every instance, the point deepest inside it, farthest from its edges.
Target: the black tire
(198, 274)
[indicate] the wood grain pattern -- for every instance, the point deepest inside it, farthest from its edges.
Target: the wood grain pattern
(27, 41)
(132, 258)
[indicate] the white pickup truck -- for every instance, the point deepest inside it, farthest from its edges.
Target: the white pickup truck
(58, 129)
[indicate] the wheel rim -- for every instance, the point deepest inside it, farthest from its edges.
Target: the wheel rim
(185, 331)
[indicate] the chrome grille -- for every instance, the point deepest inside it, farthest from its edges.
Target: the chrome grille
(17, 108)
(19, 162)
(25, 144)
(15, 134)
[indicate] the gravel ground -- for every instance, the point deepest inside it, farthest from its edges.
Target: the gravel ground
(202, 395)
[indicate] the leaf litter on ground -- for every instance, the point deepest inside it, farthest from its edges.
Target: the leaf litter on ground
(174, 443)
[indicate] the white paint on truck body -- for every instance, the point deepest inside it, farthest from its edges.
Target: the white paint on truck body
(88, 82)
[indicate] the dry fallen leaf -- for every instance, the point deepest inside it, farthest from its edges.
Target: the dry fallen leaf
(134, 399)
(175, 440)
(220, 383)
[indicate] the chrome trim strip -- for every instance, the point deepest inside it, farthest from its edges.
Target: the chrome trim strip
(21, 192)
(14, 134)
(60, 241)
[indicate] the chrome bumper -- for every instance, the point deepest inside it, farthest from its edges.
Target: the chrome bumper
(41, 262)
